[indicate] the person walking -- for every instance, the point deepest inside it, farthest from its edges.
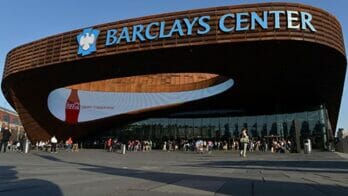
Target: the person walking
(244, 140)
(54, 142)
(69, 144)
(109, 145)
(6, 134)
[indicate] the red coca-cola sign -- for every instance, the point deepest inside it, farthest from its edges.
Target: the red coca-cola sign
(72, 108)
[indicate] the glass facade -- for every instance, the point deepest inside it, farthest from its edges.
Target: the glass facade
(312, 124)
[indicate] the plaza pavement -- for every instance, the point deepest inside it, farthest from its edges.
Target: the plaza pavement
(96, 172)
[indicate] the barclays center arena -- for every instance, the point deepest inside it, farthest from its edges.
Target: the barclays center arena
(277, 69)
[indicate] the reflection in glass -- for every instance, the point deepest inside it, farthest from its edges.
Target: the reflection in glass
(225, 128)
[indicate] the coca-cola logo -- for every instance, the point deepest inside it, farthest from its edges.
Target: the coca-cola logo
(73, 106)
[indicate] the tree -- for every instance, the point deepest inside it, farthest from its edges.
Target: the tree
(236, 131)
(264, 130)
(305, 132)
(254, 132)
(292, 129)
(227, 131)
(273, 129)
(317, 130)
(285, 129)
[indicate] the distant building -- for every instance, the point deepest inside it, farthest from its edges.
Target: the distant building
(11, 119)
(342, 145)
(341, 134)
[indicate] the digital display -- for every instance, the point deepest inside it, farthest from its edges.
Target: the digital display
(75, 106)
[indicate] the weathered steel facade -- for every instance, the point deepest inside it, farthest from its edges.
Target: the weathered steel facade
(275, 70)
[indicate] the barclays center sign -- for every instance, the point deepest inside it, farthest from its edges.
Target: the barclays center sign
(227, 23)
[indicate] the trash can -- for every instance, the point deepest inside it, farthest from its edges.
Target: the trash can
(123, 149)
(26, 146)
(307, 146)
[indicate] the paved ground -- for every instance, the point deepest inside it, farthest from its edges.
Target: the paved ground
(95, 172)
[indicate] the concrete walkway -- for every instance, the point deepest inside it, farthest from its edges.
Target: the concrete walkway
(96, 172)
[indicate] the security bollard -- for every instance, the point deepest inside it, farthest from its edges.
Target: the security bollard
(27, 146)
(307, 146)
(123, 149)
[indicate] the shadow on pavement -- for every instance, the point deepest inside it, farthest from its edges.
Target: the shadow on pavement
(11, 185)
(301, 166)
(223, 185)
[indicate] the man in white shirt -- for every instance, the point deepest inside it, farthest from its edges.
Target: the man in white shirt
(54, 144)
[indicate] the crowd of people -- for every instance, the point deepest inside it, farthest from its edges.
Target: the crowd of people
(16, 144)
(243, 143)
(113, 144)
(54, 146)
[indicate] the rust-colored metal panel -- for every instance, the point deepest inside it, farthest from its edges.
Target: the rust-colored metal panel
(152, 83)
(272, 68)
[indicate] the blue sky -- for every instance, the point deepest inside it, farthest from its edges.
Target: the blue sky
(25, 21)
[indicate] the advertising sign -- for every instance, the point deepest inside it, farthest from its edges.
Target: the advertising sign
(76, 106)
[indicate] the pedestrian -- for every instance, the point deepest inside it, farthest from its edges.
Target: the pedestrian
(69, 143)
(75, 147)
(114, 144)
(6, 134)
(109, 145)
(54, 144)
(244, 140)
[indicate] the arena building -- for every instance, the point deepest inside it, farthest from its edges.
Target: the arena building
(273, 67)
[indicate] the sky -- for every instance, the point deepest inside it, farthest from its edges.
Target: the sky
(24, 21)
